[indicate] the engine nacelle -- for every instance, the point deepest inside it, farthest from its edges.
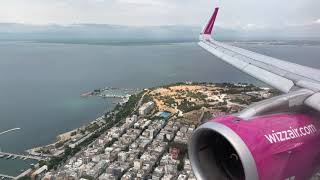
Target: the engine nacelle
(277, 147)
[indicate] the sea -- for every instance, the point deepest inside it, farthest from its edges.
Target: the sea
(41, 83)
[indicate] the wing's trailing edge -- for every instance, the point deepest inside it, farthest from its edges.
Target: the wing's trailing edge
(280, 74)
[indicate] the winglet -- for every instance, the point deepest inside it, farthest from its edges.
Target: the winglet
(208, 29)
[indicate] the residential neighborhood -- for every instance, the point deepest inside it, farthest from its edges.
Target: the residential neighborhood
(148, 141)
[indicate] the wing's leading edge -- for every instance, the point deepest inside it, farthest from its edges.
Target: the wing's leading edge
(282, 75)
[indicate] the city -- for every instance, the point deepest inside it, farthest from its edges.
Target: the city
(159, 90)
(145, 137)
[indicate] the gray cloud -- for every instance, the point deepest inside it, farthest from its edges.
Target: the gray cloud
(159, 12)
(244, 15)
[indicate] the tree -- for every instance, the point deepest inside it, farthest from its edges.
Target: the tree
(165, 139)
(87, 177)
(180, 166)
(25, 178)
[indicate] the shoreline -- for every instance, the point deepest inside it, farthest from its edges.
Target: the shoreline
(151, 123)
(65, 137)
(182, 99)
(62, 137)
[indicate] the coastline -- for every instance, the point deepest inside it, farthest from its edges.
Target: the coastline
(65, 137)
(62, 138)
(77, 133)
(188, 103)
(150, 124)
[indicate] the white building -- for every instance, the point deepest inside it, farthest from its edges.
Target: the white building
(122, 156)
(39, 171)
(135, 118)
(137, 164)
(182, 177)
(146, 108)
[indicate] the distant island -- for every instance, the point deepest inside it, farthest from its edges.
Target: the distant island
(145, 136)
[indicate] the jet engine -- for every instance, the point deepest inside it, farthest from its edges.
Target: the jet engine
(280, 146)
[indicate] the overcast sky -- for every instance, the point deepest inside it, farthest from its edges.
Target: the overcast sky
(245, 14)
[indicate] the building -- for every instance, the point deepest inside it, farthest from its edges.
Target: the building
(137, 164)
(182, 177)
(39, 172)
(146, 108)
(174, 152)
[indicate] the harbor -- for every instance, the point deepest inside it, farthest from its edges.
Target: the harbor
(15, 166)
(111, 92)
(24, 162)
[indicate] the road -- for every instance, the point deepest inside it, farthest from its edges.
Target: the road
(140, 101)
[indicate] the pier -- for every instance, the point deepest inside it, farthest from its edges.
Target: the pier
(113, 96)
(7, 176)
(7, 131)
(12, 155)
(110, 92)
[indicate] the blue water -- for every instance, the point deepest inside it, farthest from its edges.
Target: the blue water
(41, 83)
(15, 167)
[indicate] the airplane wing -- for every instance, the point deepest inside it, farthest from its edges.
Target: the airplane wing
(282, 75)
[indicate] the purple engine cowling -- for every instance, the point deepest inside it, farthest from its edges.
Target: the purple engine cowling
(271, 147)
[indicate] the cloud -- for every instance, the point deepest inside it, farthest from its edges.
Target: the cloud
(249, 27)
(248, 14)
(252, 27)
(143, 2)
(317, 21)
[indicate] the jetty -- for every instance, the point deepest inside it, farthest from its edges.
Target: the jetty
(6, 176)
(24, 157)
(14, 129)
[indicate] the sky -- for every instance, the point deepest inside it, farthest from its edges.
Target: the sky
(245, 14)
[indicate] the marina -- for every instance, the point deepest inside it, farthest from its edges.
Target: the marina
(110, 92)
(23, 164)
